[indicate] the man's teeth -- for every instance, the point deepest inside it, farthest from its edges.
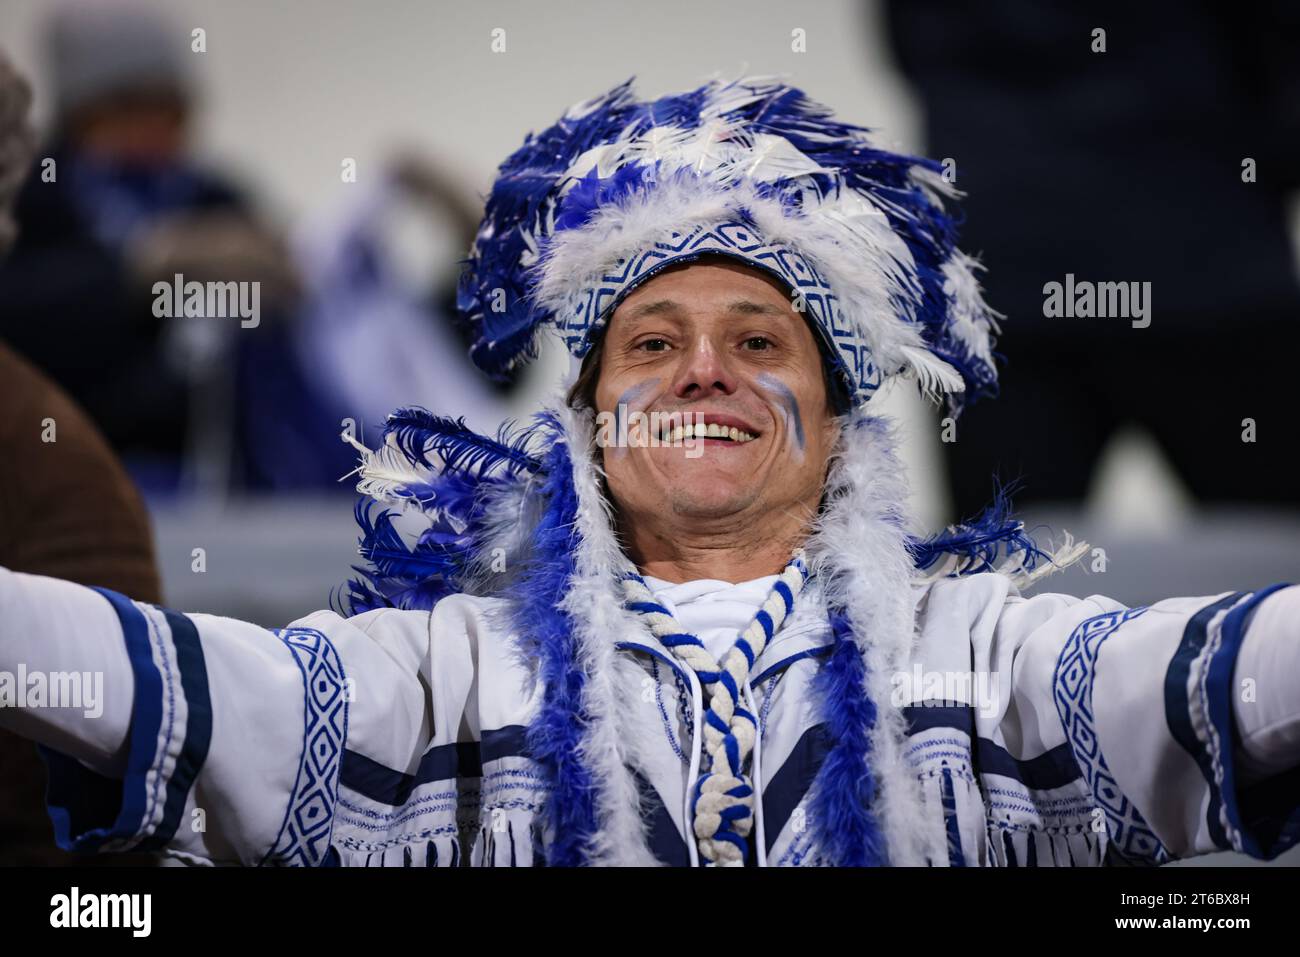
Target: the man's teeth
(710, 431)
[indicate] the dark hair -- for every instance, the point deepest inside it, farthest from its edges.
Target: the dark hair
(582, 394)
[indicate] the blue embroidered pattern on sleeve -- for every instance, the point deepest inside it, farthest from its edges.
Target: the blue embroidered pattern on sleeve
(1131, 837)
(304, 837)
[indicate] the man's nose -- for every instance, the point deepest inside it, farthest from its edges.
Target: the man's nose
(704, 371)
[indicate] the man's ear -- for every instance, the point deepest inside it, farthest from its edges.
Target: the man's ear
(833, 429)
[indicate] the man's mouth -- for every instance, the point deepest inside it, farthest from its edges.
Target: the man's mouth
(720, 427)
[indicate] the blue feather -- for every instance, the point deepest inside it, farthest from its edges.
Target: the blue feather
(844, 790)
(459, 495)
(493, 292)
(547, 633)
(397, 576)
(419, 433)
(591, 193)
(983, 542)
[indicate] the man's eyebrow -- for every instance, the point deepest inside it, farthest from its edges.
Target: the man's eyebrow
(656, 308)
(751, 308)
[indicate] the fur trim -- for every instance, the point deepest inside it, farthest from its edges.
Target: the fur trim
(593, 604)
(859, 552)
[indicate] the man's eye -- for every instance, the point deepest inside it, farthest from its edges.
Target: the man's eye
(654, 345)
(756, 343)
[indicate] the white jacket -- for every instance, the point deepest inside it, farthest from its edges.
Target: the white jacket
(401, 737)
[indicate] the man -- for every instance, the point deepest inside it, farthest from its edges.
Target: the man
(119, 203)
(681, 619)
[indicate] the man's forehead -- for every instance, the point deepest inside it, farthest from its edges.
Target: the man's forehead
(676, 305)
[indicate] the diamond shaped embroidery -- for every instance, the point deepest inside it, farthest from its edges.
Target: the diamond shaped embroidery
(1075, 671)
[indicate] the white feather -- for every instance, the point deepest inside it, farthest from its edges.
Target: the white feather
(935, 376)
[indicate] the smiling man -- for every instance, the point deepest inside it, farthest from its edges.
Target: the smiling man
(711, 635)
(717, 344)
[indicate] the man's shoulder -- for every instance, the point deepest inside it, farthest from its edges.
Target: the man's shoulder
(989, 585)
(448, 610)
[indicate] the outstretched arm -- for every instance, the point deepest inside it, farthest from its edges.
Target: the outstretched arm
(1197, 712)
(365, 740)
(52, 627)
(1182, 718)
(200, 735)
(1266, 702)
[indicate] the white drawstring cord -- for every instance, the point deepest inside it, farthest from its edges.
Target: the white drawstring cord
(697, 748)
(760, 836)
(730, 732)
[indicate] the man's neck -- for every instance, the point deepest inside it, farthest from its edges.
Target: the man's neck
(728, 551)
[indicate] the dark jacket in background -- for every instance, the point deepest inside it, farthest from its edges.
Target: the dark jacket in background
(1122, 166)
(68, 510)
(68, 304)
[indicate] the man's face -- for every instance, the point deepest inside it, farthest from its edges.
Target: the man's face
(721, 340)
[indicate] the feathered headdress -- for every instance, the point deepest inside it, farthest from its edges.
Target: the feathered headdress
(751, 169)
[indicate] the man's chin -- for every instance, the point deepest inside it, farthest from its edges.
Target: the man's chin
(704, 486)
(716, 500)
(705, 473)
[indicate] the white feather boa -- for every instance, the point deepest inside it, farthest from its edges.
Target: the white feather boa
(858, 550)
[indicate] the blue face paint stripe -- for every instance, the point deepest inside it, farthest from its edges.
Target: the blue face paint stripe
(789, 404)
(629, 396)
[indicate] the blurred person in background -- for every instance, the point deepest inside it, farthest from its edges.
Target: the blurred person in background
(1127, 164)
(115, 204)
(373, 302)
(67, 508)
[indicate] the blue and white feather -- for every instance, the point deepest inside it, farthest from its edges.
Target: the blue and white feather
(752, 169)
